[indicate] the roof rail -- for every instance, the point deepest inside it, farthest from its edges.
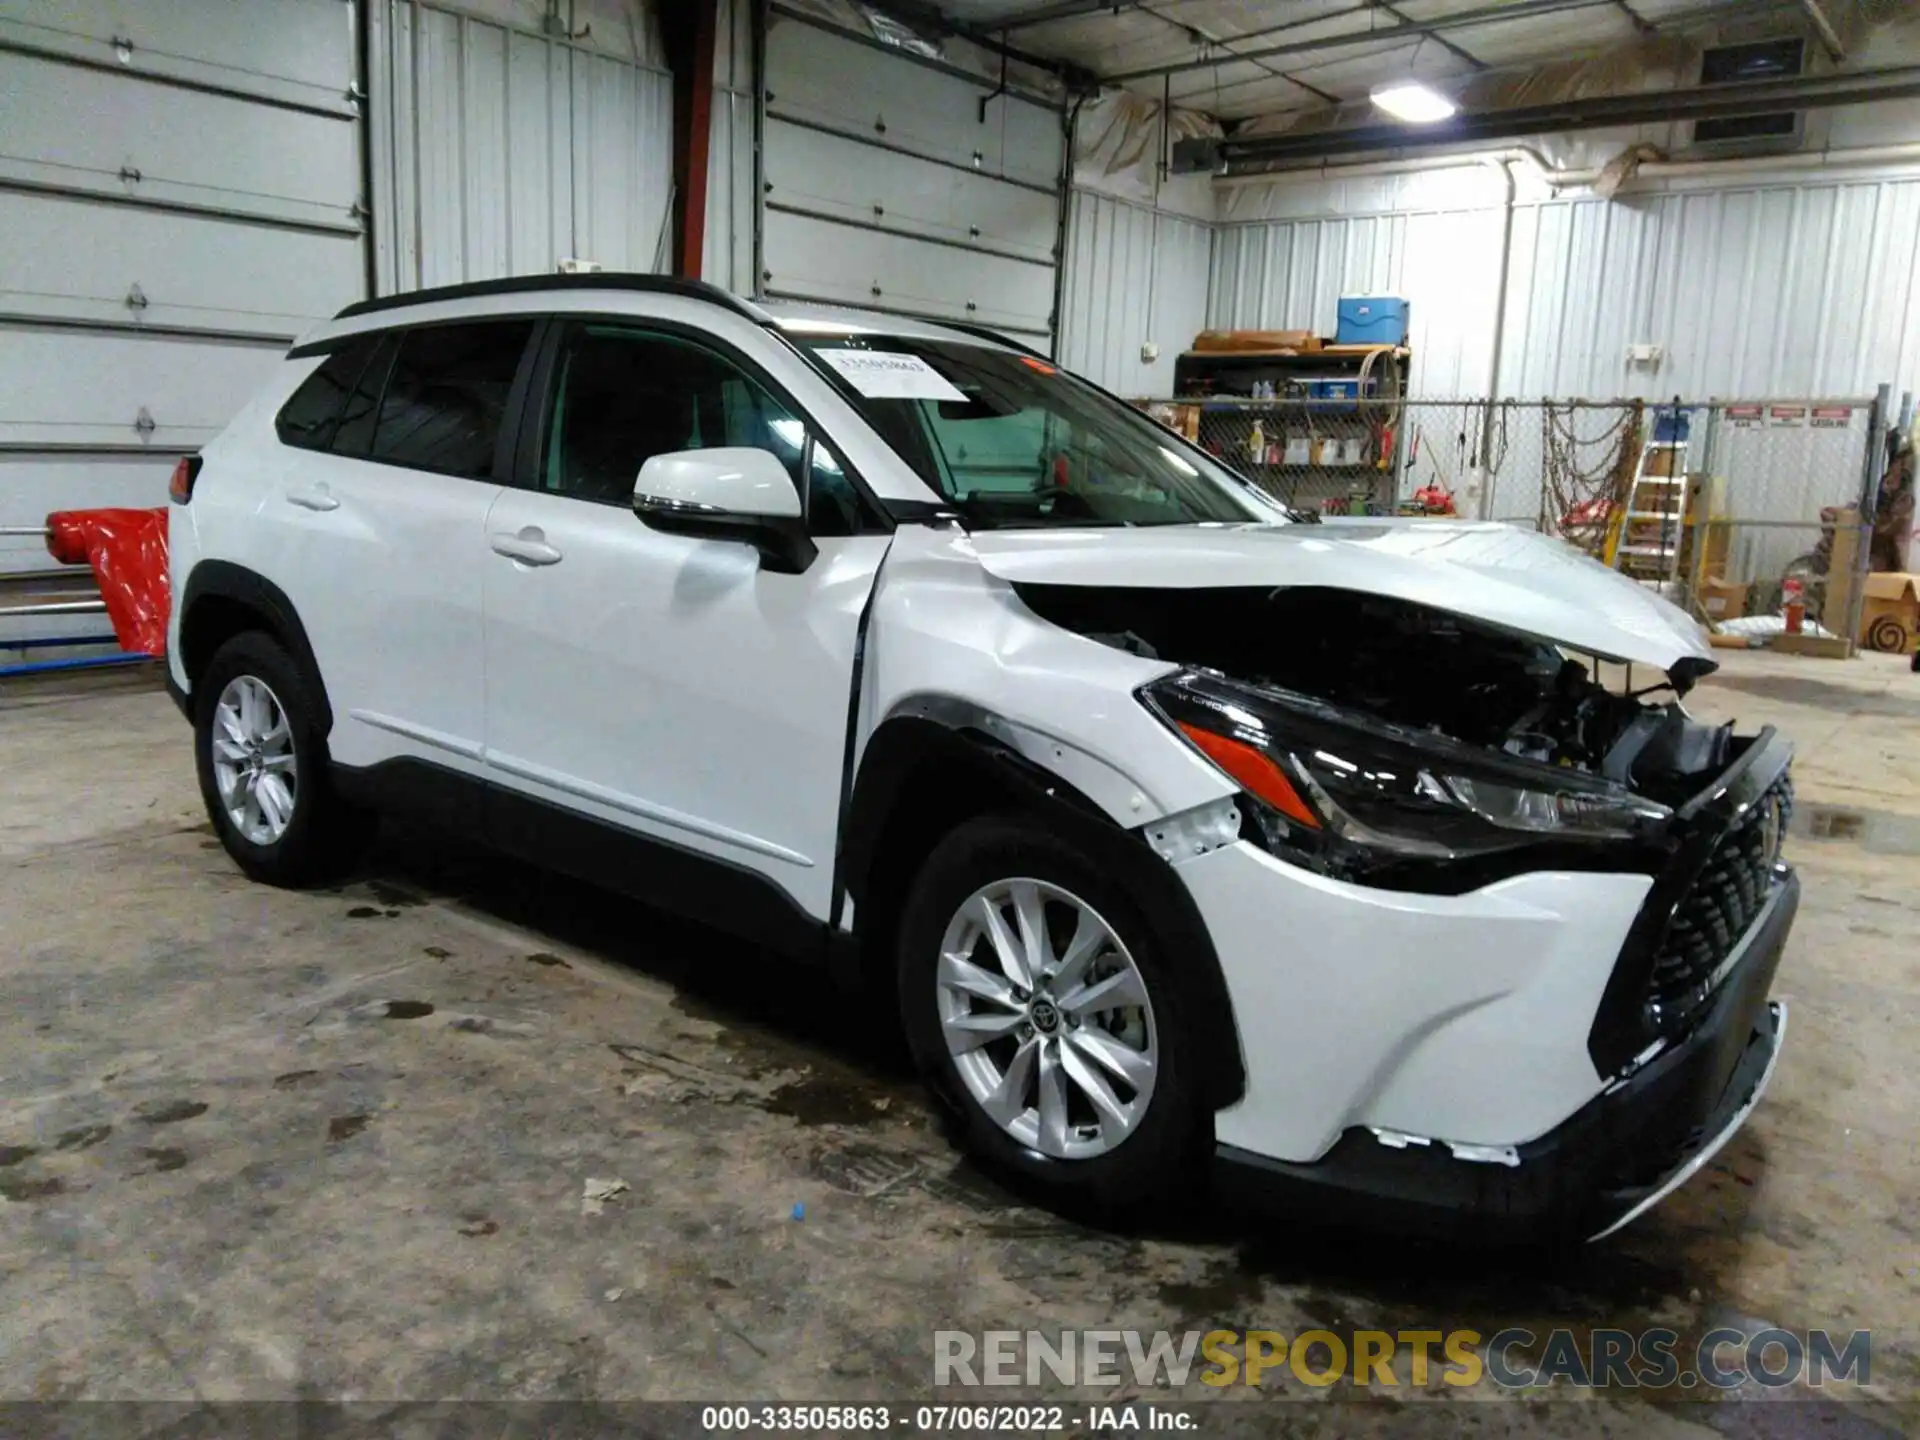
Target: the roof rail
(983, 332)
(534, 284)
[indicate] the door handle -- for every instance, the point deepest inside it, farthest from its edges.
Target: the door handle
(317, 498)
(529, 547)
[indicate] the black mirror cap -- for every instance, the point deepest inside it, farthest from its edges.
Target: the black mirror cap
(784, 545)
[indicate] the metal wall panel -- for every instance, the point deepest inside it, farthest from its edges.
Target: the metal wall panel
(727, 256)
(179, 196)
(1134, 276)
(623, 163)
(1785, 290)
(1797, 288)
(497, 152)
(1291, 275)
(891, 182)
(727, 260)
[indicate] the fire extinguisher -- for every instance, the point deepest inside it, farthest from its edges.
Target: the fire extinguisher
(1793, 603)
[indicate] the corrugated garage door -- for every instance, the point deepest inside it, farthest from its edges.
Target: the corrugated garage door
(885, 187)
(497, 151)
(178, 189)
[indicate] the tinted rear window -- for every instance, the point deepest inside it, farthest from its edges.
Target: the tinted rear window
(446, 397)
(309, 416)
(355, 431)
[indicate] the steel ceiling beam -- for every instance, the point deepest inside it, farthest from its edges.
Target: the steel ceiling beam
(1257, 154)
(1012, 20)
(1829, 37)
(1412, 30)
(924, 16)
(1271, 70)
(1640, 22)
(1445, 44)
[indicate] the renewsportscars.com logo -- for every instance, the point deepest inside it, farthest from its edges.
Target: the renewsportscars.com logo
(1514, 1359)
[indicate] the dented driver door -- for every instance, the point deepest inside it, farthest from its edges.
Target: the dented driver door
(665, 685)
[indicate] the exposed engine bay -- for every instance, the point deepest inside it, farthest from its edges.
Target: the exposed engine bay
(1412, 666)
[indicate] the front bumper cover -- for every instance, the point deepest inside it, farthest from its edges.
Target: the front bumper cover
(1628, 1148)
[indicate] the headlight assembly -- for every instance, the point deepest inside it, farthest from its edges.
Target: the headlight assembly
(1363, 800)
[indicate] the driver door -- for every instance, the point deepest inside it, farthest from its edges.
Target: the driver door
(667, 691)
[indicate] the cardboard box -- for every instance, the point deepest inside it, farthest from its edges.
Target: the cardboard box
(1890, 613)
(1824, 647)
(1838, 602)
(1723, 599)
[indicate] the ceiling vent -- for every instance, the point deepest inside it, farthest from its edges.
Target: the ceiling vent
(1761, 60)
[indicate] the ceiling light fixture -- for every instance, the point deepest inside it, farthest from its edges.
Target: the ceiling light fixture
(1413, 102)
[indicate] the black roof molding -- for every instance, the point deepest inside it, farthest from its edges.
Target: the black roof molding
(539, 284)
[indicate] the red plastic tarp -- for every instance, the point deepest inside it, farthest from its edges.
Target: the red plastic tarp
(128, 552)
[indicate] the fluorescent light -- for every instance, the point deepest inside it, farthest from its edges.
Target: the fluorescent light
(1413, 102)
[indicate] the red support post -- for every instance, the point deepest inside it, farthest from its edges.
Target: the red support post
(688, 30)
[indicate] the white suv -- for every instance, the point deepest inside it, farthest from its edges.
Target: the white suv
(1183, 828)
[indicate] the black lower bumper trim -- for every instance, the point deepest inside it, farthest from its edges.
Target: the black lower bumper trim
(1614, 1152)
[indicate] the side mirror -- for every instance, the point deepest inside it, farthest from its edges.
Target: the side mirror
(727, 493)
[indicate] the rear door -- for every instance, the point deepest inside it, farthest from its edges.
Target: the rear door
(377, 534)
(669, 687)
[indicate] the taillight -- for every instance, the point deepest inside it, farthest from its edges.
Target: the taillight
(180, 487)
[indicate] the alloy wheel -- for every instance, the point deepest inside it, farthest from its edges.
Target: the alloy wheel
(254, 766)
(1047, 1018)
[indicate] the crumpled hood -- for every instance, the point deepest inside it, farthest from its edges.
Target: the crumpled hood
(1515, 579)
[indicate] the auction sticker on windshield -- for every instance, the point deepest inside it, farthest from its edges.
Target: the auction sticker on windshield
(888, 375)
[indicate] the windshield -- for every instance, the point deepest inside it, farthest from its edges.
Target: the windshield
(1011, 440)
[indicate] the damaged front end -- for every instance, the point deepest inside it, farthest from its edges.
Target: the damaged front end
(1389, 744)
(1394, 744)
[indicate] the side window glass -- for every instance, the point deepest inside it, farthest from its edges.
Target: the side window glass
(309, 416)
(834, 507)
(354, 433)
(446, 396)
(623, 396)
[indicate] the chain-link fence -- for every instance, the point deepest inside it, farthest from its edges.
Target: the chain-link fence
(1717, 501)
(1334, 456)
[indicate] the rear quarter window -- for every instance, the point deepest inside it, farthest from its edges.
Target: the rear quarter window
(312, 412)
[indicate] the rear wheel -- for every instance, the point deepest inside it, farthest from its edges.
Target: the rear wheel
(1040, 1009)
(263, 767)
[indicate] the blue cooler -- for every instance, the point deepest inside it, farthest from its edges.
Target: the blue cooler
(1372, 320)
(1338, 389)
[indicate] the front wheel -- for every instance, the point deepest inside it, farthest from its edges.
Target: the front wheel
(1040, 1008)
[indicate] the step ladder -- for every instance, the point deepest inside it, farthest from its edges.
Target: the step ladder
(1647, 540)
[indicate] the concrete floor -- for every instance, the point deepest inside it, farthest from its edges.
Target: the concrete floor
(259, 1144)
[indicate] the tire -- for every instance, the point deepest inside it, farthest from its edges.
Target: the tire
(316, 837)
(1090, 1163)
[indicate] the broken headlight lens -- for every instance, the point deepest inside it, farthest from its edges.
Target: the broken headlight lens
(1359, 799)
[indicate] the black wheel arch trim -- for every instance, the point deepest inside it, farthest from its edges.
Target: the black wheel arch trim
(224, 580)
(904, 742)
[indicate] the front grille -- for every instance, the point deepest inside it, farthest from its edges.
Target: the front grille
(1717, 910)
